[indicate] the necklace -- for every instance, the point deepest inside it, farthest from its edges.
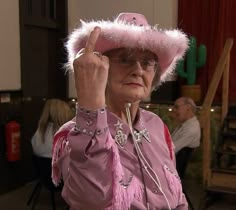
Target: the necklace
(121, 137)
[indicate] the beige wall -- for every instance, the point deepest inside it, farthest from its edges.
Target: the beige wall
(161, 12)
(10, 78)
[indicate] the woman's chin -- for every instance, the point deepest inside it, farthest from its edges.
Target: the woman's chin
(129, 96)
(135, 98)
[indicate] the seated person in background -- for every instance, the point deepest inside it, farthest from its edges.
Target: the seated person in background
(188, 131)
(55, 113)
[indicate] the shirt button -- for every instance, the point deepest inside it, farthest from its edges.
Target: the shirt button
(89, 122)
(156, 191)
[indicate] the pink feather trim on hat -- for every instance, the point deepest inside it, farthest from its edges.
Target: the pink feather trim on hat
(131, 30)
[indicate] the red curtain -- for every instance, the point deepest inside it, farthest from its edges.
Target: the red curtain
(211, 22)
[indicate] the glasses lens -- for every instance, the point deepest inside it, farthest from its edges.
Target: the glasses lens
(148, 64)
(177, 106)
(128, 61)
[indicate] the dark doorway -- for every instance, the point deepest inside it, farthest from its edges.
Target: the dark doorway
(43, 29)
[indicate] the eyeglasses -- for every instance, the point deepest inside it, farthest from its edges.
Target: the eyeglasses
(148, 64)
(177, 106)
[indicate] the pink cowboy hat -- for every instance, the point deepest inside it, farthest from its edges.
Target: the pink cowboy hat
(131, 30)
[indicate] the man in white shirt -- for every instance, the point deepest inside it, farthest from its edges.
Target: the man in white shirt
(188, 133)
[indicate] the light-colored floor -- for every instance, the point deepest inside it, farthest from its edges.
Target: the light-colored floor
(17, 199)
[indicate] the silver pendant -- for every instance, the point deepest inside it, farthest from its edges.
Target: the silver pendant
(139, 134)
(145, 134)
(120, 137)
(118, 125)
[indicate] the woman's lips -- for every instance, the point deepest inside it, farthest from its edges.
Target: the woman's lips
(134, 84)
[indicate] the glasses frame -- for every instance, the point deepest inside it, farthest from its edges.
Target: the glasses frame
(177, 106)
(129, 61)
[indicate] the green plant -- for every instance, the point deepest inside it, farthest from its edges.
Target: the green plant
(195, 58)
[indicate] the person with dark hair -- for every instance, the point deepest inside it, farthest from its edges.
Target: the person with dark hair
(115, 155)
(188, 131)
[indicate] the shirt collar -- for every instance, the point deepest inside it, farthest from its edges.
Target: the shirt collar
(115, 123)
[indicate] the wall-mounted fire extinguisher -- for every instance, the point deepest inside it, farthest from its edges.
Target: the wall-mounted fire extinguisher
(12, 133)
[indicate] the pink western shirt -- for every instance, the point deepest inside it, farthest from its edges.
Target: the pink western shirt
(101, 172)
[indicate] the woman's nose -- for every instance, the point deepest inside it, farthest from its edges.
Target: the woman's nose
(138, 69)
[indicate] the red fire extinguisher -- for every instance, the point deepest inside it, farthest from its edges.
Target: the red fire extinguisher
(12, 133)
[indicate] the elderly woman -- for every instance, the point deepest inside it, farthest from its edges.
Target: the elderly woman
(115, 155)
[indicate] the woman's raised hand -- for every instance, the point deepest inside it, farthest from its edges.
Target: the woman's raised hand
(91, 74)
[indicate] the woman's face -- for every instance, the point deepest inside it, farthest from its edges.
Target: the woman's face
(131, 74)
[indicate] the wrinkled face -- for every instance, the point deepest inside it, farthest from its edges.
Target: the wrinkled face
(181, 110)
(131, 74)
